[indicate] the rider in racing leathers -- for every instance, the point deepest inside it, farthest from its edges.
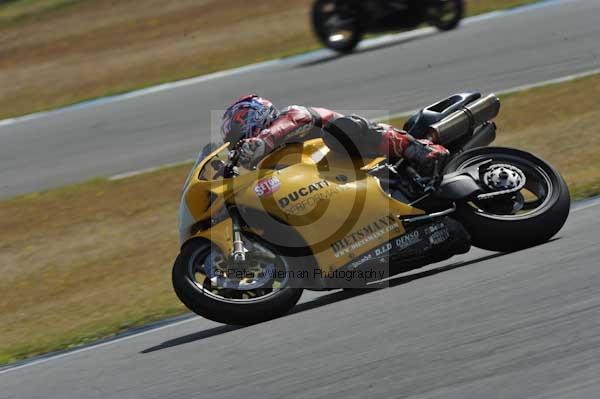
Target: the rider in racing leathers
(257, 128)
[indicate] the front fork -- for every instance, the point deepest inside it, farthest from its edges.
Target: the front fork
(239, 251)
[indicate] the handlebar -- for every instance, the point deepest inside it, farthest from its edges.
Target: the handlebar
(229, 168)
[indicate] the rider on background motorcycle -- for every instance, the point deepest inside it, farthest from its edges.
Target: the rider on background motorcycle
(257, 127)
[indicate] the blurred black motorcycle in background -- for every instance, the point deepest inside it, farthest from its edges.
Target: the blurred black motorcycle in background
(341, 24)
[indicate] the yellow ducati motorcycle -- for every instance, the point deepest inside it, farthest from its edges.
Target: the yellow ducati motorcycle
(321, 215)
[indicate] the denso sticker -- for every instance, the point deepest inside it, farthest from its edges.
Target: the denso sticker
(267, 187)
(408, 240)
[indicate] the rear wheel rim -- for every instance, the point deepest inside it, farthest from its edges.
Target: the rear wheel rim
(535, 197)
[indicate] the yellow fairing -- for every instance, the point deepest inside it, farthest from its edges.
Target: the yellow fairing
(337, 209)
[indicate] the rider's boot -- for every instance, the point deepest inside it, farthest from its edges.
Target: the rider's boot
(425, 154)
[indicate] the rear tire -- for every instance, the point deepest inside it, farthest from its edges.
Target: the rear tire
(233, 312)
(504, 232)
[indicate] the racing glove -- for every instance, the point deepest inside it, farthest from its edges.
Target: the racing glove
(252, 150)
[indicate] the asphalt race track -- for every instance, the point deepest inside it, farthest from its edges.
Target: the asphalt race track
(171, 125)
(482, 325)
(521, 325)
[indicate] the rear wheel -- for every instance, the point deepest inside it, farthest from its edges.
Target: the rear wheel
(337, 24)
(532, 211)
(209, 287)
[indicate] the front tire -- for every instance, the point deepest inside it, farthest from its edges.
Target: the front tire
(235, 310)
(343, 37)
(446, 14)
(505, 226)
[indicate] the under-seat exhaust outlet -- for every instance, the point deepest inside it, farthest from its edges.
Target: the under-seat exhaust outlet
(465, 120)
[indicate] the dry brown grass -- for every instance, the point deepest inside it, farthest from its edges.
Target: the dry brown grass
(558, 123)
(86, 261)
(56, 52)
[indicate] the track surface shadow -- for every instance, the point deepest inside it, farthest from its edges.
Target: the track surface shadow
(322, 301)
(197, 336)
(391, 43)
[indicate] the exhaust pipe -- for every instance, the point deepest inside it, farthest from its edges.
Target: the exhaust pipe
(463, 121)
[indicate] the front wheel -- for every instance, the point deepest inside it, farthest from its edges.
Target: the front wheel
(445, 14)
(209, 287)
(520, 219)
(337, 24)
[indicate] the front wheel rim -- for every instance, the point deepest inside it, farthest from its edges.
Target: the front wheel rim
(198, 274)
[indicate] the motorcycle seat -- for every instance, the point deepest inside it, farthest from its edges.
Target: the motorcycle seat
(351, 135)
(418, 124)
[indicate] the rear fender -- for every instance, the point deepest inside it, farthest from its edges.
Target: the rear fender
(458, 187)
(461, 185)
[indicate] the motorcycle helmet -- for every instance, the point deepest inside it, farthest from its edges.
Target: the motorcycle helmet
(246, 117)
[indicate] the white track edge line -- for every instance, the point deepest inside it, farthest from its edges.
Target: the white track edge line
(402, 114)
(585, 204)
(516, 89)
(126, 175)
(252, 67)
(96, 346)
